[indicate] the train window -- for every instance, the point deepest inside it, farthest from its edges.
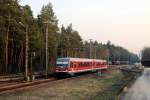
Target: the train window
(74, 65)
(90, 63)
(83, 64)
(94, 64)
(98, 64)
(62, 65)
(86, 64)
(80, 64)
(103, 63)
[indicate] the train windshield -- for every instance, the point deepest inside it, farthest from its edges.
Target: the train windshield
(62, 62)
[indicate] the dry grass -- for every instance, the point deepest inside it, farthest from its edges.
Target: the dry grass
(76, 89)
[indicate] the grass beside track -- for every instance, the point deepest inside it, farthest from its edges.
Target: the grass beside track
(82, 88)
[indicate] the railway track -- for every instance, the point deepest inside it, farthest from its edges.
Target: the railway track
(8, 84)
(10, 87)
(16, 86)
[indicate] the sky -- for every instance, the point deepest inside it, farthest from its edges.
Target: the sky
(124, 22)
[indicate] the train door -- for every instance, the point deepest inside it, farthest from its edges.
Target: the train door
(75, 66)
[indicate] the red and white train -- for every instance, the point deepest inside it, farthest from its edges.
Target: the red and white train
(76, 65)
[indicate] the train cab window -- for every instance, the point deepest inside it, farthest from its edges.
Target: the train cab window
(62, 63)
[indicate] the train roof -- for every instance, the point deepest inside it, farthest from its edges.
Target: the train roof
(100, 60)
(81, 59)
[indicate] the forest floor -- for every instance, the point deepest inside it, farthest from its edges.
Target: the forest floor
(83, 88)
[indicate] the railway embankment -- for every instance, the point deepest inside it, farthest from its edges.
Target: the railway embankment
(130, 74)
(87, 87)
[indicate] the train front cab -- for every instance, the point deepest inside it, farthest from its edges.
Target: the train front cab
(65, 66)
(62, 65)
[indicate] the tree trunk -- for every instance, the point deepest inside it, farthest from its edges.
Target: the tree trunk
(6, 48)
